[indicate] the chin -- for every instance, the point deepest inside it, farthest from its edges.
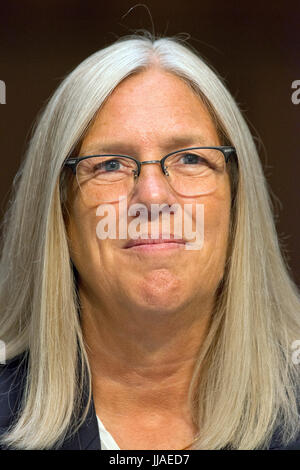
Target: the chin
(160, 288)
(159, 307)
(157, 301)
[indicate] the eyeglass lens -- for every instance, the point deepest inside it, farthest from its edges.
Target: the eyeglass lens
(189, 173)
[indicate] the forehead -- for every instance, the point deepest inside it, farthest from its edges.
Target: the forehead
(150, 108)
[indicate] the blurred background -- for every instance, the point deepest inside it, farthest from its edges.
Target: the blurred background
(254, 46)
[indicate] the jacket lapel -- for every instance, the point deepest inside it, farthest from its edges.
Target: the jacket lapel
(87, 436)
(12, 383)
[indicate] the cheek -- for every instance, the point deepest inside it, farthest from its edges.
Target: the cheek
(216, 222)
(216, 233)
(81, 230)
(217, 214)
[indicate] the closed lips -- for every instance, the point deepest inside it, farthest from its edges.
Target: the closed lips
(154, 241)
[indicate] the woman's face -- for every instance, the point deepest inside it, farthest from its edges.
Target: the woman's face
(145, 117)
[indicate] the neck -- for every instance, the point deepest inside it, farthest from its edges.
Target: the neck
(146, 360)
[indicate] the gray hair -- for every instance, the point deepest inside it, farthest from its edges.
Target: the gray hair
(248, 380)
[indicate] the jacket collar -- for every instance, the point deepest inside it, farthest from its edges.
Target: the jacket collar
(87, 436)
(12, 385)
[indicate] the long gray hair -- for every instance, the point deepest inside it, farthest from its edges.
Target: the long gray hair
(248, 381)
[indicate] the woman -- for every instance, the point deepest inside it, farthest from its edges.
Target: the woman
(137, 342)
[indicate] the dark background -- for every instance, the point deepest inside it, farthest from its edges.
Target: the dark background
(255, 47)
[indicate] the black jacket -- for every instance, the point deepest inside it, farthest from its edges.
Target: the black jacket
(12, 377)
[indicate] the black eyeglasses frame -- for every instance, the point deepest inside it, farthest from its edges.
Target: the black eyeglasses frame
(227, 151)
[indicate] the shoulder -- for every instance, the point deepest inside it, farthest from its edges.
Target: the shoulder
(12, 382)
(13, 377)
(294, 444)
(276, 443)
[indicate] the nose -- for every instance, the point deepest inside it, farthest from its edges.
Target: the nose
(152, 187)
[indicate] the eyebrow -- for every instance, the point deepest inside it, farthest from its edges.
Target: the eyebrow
(172, 143)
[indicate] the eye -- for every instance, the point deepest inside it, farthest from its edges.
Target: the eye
(192, 158)
(108, 166)
(201, 162)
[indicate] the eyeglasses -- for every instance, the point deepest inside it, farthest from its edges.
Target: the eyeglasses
(190, 172)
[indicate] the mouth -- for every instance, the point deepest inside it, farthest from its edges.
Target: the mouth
(155, 244)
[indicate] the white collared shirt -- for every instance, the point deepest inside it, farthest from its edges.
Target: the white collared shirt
(106, 439)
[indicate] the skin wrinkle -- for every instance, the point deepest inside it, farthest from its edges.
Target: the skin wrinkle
(144, 317)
